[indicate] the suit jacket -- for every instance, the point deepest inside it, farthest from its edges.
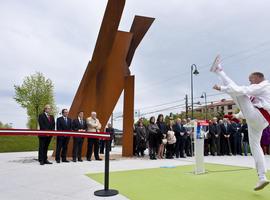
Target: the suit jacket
(214, 129)
(93, 125)
(179, 128)
(244, 130)
(225, 131)
(234, 129)
(45, 123)
(61, 125)
(76, 125)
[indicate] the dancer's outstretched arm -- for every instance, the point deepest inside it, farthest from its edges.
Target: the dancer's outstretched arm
(251, 90)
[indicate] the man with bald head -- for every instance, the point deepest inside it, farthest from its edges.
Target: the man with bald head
(46, 122)
(93, 125)
(254, 103)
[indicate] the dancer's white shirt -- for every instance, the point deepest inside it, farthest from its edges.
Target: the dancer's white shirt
(260, 92)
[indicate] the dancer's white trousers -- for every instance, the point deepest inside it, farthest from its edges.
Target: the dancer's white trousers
(256, 124)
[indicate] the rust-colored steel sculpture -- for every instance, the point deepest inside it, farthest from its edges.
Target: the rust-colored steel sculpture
(104, 44)
(108, 74)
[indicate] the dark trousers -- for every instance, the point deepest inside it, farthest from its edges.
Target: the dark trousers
(206, 146)
(215, 145)
(44, 142)
(77, 148)
(169, 151)
(91, 142)
(233, 143)
(226, 146)
(153, 145)
(61, 147)
(239, 144)
(102, 146)
(188, 146)
(180, 146)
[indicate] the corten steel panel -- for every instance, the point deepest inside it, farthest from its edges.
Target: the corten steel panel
(139, 28)
(110, 82)
(101, 52)
(128, 117)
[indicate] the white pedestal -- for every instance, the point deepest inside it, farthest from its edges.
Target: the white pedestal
(199, 134)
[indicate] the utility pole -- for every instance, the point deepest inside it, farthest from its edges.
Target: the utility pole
(186, 100)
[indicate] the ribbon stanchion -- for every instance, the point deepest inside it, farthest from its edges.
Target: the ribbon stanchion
(106, 192)
(99, 135)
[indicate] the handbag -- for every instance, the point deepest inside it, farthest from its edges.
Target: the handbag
(164, 141)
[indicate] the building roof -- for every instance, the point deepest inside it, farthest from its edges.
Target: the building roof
(223, 102)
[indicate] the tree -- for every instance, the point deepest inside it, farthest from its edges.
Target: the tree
(35, 92)
(5, 125)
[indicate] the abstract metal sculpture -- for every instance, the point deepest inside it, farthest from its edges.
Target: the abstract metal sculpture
(108, 74)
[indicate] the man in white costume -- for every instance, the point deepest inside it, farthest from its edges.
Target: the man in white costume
(254, 103)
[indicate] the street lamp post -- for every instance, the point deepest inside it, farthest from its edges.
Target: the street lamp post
(195, 72)
(206, 109)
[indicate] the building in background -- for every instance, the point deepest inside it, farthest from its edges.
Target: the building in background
(225, 107)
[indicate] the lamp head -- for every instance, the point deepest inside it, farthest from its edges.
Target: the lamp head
(196, 72)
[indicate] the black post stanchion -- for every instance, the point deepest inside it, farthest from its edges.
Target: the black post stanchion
(106, 192)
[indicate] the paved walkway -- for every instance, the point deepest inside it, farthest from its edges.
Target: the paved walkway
(22, 178)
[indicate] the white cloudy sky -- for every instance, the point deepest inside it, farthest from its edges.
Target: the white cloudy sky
(57, 38)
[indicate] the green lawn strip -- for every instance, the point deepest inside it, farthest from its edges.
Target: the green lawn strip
(220, 183)
(20, 143)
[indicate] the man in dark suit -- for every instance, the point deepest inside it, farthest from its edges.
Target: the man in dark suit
(236, 137)
(78, 124)
(180, 134)
(214, 132)
(46, 122)
(225, 128)
(110, 130)
(63, 124)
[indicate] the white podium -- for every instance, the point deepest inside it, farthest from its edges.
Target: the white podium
(200, 130)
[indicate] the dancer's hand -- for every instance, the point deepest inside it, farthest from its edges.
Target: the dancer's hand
(217, 87)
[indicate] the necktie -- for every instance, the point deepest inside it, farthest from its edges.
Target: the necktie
(65, 120)
(49, 117)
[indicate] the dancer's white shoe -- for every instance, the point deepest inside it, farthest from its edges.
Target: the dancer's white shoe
(261, 184)
(216, 65)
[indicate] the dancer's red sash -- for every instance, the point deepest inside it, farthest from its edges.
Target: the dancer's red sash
(265, 113)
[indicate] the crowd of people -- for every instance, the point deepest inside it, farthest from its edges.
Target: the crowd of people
(175, 139)
(64, 123)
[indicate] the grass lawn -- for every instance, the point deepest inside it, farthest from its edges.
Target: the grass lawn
(220, 183)
(20, 143)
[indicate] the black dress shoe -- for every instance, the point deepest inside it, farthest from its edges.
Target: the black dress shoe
(41, 163)
(99, 159)
(47, 162)
(74, 160)
(88, 159)
(80, 160)
(65, 161)
(57, 161)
